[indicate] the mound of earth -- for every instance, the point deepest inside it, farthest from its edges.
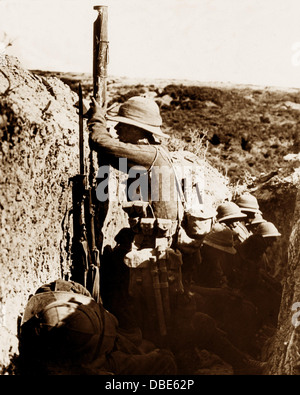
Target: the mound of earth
(38, 156)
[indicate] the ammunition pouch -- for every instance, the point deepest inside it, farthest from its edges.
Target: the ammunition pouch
(138, 209)
(155, 268)
(147, 226)
(139, 262)
(150, 232)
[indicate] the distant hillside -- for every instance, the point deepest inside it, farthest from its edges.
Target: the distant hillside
(245, 131)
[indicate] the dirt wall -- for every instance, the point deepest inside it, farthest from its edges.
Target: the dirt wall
(38, 154)
(283, 358)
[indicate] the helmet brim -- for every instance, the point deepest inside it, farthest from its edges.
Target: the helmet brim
(232, 216)
(250, 210)
(257, 221)
(272, 235)
(156, 130)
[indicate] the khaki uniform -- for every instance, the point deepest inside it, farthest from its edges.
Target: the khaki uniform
(146, 155)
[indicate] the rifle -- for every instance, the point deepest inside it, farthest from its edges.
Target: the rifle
(100, 60)
(164, 282)
(85, 255)
(158, 297)
(80, 247)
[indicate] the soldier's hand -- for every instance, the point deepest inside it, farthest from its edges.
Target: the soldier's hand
(95, 109)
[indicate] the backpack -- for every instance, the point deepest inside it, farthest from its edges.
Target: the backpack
(155, 283)
(64, 325)
(195, 206)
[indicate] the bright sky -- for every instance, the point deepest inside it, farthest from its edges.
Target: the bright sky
(239, 41)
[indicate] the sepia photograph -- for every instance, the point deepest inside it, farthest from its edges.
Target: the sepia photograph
(149, 200)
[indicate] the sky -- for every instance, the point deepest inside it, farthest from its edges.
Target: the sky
(237, 41)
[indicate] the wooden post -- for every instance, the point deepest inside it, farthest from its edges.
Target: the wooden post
(100, 62)
(100, 55)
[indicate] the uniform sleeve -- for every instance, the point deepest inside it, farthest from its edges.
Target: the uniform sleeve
(102, 141)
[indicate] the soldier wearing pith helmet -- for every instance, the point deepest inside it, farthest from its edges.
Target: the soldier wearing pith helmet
(231, 215)
(248, 205)
(258, 219)
(138, 126)
(154, 211)
(268, 231)
(216, 253)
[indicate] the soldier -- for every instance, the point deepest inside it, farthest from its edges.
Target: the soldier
(190, 238)
(153, 208)
(216, 252)
(65, 332)
(219, 287)
(270, 234)
(257, 284)
(249, 206)
(139, 133)
(253, 223)
(268, 231)
(230, 214)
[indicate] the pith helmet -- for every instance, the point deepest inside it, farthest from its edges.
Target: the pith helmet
(63, 324)
(248, 203)
(229, 210)
(141, 112)
(267, 229)
(258, 219)
(221, 238)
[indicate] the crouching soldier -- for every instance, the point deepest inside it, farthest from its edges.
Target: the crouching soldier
(64, 331)
(257, 284)
(217, 291)
(249, 206)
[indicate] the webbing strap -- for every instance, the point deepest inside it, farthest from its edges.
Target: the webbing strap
(96, 284)
(180, 207)
(154, 160)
